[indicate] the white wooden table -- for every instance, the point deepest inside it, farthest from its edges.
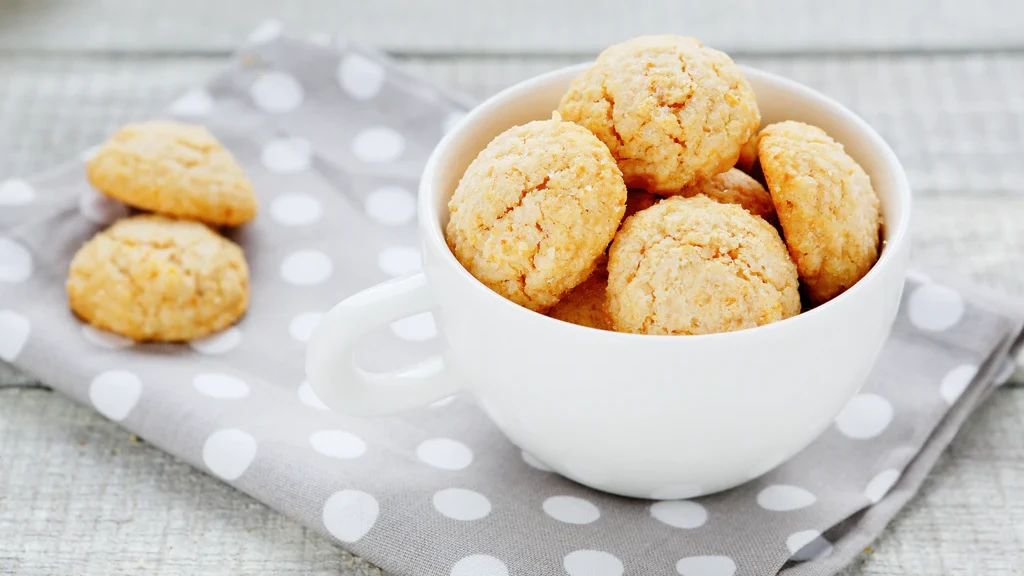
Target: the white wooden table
(942, 81)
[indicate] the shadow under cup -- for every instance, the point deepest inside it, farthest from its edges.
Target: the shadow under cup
(661, 416)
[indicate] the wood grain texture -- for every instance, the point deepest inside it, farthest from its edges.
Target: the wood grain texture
(521, 27)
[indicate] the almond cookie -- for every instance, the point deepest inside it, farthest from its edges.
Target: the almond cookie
(828, 210)
(150, 277)
(175, 169)
(637, 200)
(695, 266)
(586, 305)
(735, 187)
(671, 110)
(535, 210)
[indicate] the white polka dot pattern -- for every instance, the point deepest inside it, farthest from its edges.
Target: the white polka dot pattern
(933, 307)
(880, 485)
(399, 260)
(808, 545)
(14, 332)
(287, 155)
(16, 193)
(350, 514)
(571, 510)
(683, 514)
(783, 498)
(217, 385)
(15, 262)
(706, 566)
(592, 563)
(115, 393)
(378, 144)
(303, 325)
(228, 453)
(956, 381)
(444, 453)
(864, 416)
(391, 205)
(338, 444)
(360, 77)
(276, 93)
(461, 504)
(479, 565)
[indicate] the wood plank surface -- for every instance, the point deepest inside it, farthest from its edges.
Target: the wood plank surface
(521, 27)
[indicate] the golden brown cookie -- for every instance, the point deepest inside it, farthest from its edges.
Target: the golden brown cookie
(735, 187)
(748, 155)
(149, 277)
(535, 210)
(586, 305)
(175, 169)
(828, 210)
(671, 110)
(637, 200)
(695, 266)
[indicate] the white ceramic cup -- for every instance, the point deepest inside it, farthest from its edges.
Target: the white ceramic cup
(661, 417)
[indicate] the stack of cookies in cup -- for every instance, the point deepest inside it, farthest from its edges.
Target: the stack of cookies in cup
(651, 203)
(165, 275)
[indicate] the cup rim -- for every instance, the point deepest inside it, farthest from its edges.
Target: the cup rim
(431, 231)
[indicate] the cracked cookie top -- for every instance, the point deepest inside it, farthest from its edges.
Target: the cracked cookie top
(828, 210)
(695, 266)
(154, 278)
(671, 110)
(535, 210)
(176, 169)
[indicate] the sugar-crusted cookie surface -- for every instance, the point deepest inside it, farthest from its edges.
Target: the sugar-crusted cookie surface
(696, 266)
(671, 110)
(150, 277)
(535, 210)
(735, 187)
(175, 169)
(828, 210)
(586, 305)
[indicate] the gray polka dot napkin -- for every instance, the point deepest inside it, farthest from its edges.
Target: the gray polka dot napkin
(334, 140)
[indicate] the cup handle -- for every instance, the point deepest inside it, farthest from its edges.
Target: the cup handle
(330, 362)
